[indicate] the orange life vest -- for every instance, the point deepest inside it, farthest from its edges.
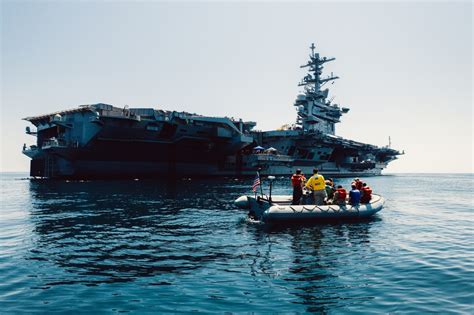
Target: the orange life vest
(341, 194)
(297, 179)
(366, 194)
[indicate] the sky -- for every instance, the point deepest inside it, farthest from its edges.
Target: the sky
(405, 68)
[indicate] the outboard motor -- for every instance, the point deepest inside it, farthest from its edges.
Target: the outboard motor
(242, 202)
(256, 205)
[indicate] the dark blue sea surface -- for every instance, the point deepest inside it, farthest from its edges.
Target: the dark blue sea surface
(152, 246)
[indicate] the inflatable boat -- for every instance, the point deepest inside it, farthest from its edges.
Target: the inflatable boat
(279, 209)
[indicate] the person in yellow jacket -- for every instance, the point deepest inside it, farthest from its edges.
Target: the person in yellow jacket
(317, 185)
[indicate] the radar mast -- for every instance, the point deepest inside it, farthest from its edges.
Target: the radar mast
(315, 111)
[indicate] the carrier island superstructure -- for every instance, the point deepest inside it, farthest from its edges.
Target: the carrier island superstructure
(104, 141)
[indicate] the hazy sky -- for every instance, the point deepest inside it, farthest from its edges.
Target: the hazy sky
(405, 68)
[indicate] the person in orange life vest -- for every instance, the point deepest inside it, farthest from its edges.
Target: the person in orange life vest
(297, 181)
(340, 196)
(317, 185)
(366, 193)
(358, 183)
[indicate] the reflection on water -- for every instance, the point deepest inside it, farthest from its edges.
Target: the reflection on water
(118, 231)
(183, 243)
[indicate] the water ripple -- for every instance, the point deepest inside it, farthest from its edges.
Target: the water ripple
(152, 246)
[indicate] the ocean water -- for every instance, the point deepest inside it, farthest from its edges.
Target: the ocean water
(177, 247)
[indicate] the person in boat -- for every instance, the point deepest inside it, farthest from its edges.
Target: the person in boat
(329, 192)
(332, 183)
(354, 196)
(366, 193)
(297, 181)
(358, 183)
(317, 185)
(340, 196)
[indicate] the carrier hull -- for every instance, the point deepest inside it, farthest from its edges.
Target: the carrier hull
(60, 168)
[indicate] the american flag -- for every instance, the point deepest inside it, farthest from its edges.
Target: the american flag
(256, 182)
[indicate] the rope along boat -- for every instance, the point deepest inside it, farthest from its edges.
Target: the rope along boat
(278, 208)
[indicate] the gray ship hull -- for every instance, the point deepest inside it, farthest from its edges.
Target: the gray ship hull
(90, 169)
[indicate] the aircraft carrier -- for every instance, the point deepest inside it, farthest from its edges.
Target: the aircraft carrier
(104, 141)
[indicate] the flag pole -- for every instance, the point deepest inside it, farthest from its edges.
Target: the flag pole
(261, 184)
